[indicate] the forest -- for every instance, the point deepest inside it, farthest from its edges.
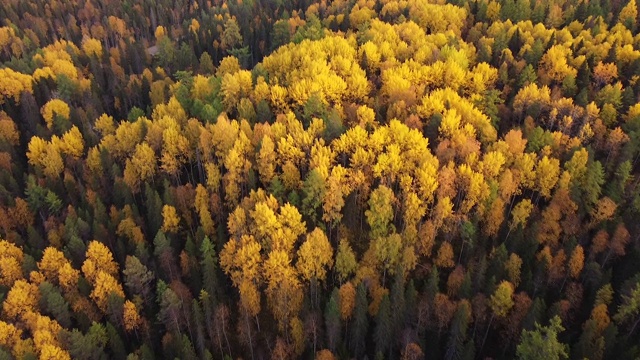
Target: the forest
(300, 179)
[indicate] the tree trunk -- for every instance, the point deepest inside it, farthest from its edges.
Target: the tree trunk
(486, 332)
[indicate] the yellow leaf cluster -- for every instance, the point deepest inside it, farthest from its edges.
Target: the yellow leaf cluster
(52, 108)
(12, 84)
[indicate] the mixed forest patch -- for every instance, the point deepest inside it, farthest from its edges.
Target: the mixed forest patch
(225, 179)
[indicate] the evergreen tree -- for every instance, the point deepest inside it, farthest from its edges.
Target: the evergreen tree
(332, 321)
(542, 343)
(360, 325)
(383, 334)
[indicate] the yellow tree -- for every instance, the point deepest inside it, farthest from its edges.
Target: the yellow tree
(98, 259)
(52, 108)
(554, 64)
(547, 174)
(346, 263)
(10, 263)
(604, 73)
(380, 213)
(131, 318)
(337, 190)
(13, 84)
(241, 260)
(72, 143)
(315, 256)
(202, 207)
(347, 294)
(140, 167)
(92, 47)
(266, 161)
(53, 260)
(444, 259)
(21, 299)
(45, 155)
(170, 219)
(9, 335)
(520, 214)
(629, 15)
(175, 151)
(238, 165)
(387, 253)
(8, 130)
(104, 286)
(576, 262)
(284, 291)
(500, 302)
(513, 268)
(52, 352)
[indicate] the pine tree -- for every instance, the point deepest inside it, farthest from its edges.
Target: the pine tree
(332, 321)
(542, 343)
(383, 334)
(360, 325)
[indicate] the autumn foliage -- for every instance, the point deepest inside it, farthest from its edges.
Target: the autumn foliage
(319, 179)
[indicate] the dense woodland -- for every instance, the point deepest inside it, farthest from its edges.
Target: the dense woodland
(256, 179)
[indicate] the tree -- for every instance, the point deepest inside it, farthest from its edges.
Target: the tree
(284, 293)
(242, 261)
(346, 263)
(592, 184)
(315, 256)
(513, 266)
(208, 265)
(383, 331)
(444, 259)
(628, 15)
(231, 36)
(388, 253)
(337, 189)
(175, 150)
(170, 308)
(72, 143)
(520, 214)
(332, 320)
(131, 318)
(45, 155)
(206, 64)
(576, 262)
(325, 355)
(53, 108)
(105, 286)
(49, 351)
(500, 302)
(266, 160)
(313, 190)
(11, 258)
(458, 334)
(547, 173)
(138, 277)
(21, 299)
(98, 259)
(629, 310)
(10, 335)
(92, 47)
(618, 242)
(14, 84)
(542, 343)
(360, 325)
(604, 73)
(171, 220)
(141, 167)
(347, 301)
(52, 301)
